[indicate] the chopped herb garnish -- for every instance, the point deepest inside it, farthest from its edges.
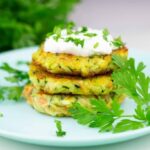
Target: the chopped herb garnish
(70, 27)
(57, 32)
(96, 45)
(105, 34)
(84, 29)
(117, 42)
(90, 34)
(56, 37)
(76, 41)
(59, 131)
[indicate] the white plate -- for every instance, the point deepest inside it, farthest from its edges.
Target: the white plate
(22, 123)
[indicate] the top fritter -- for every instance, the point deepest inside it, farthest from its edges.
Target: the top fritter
(83, 51)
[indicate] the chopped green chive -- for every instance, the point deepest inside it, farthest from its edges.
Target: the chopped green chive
(96, 45)
(70, 25)
(56, 37)
(76, 41)
(105, 34)
(90, 34)
(84, 29)
(57, 31)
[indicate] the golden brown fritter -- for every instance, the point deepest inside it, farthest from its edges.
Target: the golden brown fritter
(58, 105)
(60, 84)
(76, 65)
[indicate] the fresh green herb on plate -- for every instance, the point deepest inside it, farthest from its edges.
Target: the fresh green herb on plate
(59, 131)
(18, 78)
(131, 81)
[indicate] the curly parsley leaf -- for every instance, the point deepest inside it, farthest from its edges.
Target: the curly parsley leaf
(59, 131)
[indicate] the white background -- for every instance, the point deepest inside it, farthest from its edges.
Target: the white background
(128, 18)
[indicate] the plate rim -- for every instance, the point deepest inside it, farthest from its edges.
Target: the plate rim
(63, 142)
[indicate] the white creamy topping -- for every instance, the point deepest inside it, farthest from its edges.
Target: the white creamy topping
(91, 42)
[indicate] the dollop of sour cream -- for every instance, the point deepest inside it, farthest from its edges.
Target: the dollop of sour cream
(94, 42)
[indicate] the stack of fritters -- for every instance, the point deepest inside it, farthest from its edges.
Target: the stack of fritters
(59, 80)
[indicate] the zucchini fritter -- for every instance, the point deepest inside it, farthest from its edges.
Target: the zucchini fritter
(58, 105)
(76, 65)
(60, 84)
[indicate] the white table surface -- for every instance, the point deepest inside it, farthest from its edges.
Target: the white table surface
(129, 18)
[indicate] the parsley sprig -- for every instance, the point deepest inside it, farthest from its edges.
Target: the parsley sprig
(17, 78)
(130, 80)
(134, 83)
(103, 117)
